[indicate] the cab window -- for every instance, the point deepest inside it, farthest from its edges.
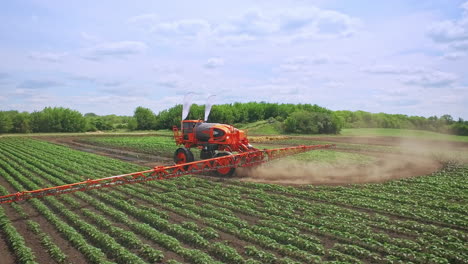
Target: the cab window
(188, 127)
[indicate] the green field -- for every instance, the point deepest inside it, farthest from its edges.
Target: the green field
(156, 145)
(197, 220)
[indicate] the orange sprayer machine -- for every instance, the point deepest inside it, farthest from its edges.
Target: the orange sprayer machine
(214, 140)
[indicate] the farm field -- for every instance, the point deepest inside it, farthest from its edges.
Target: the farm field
(234, 132)
(203, 219)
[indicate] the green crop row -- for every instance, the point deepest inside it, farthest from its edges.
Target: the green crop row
(163, 146)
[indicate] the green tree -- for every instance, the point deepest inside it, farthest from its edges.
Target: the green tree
(132, 124)
(57, 119)
(306, 122)
(6, 124)
(21, 123)
(145, 118)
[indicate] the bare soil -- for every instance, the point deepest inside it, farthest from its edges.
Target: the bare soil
(6, 257)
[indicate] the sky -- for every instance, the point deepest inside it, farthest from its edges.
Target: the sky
(109, 57)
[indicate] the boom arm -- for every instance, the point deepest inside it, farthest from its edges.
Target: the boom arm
(245, 159)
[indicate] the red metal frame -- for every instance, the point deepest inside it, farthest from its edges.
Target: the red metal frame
(245, 159)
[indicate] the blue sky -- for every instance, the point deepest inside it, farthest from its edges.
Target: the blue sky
(108, 57)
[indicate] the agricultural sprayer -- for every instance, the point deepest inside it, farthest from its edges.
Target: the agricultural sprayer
(223, 148)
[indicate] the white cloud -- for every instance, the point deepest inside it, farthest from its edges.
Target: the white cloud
(47, 56)
(334, 84)
(90, 37)
(452, 34)
(287, 24)
(294, 64)
(38, 84)
(213, 63)
(454, 55)
(112, 83)
(448, 31)
(290, 25)
(428, 78)
(253, 23)
(184, 28)
(120, 49)
(82, 78)
(166, 69)
(170, 81)
(460, 45)
(125, 90)
(144, 20)
(303, 63)
(235, 40)
(392, 70)
(432, 79)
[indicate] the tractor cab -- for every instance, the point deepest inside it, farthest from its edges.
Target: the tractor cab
(188, 129)
(186, 134)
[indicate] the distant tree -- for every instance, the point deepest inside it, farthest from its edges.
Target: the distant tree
(57, 119)
(145, 118)
(306, 122)
(21, 123)
(6, 124)
(196, 112)
(448, 119)
(132, 124)
(102, 124)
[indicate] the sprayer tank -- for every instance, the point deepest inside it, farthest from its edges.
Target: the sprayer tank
(202, 131)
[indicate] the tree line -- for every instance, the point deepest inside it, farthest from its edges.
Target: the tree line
(292, 118)
(296, 118)
(59, 119)
(442, 124)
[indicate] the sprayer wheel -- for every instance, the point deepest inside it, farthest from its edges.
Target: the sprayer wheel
(183, 155)
(224, 172)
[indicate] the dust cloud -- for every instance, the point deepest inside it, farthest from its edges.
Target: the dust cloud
(410, 158)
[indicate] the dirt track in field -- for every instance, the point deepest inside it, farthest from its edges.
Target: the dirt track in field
(414, 158)
(410, 157)
(387, 167)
